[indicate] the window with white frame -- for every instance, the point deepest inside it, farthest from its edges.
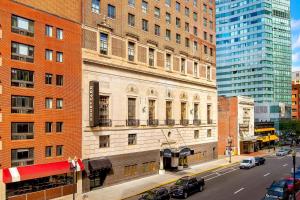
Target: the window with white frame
(49, 30)
(59, 34)
(59, 56)
(96, 6)
(131, 3)
(49, 103)
(144, 6)
(157, 12)
(104, 43)
(59, 103)
(49, 54)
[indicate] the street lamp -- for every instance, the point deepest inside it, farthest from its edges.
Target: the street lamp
(73, 164)
(229, 141)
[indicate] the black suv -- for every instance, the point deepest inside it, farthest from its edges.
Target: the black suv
(259, 161)
(156, 194)
(186, 186)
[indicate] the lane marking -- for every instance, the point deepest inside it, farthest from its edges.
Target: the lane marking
(285, 165)
(218, 175)
(238, 191)
(267, 174)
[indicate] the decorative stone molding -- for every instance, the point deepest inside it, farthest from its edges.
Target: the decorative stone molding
(183, 96)
(152, 92)
(131, 88)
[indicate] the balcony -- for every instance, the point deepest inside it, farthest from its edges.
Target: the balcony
(152, 122)
(170, 122)
(105, 122)
(197, 122)
(184, 122)
(132, 122)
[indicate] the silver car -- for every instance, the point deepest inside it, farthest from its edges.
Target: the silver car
(281, 152)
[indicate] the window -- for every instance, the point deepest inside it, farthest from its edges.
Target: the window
(208, 132)
(59, 80)
(22, 157)
(131, 3)
(59, 150)
(168, 34)
(178, 38)
(22, 130)
(208, 114)
(168, 18)
(187, 11)
(187, 27)
(104, 43)
(157, 30)
(168, 110)
(157, 12)
(59, 34)
(49, 30)
(196, 69)
(111, 11)
(48, 151)
(210, 12)
(151, 57)
(177, 5)
(104, 110)
(22, 26)
(205, 49)
(208, 73)
(178, 22)
(195, 45)
(59, 127)
(204, 22)
(195, 16)
(205, 35)
(211, 25)
(144, 6)
(103, 141)
(168, 61)
(145, 25)
(187, 42)
(204, 8)
(183, 111)
(211, 38)
(22, 104)
(59, 56)
(48, 103)
(131, 139)
(131, 51)
(22, 78)
(131, 108)
(196, 134)
(22, 52)
(151, 112)
(59, 103)
(49, 54)
(168, 3)
(48, 127)
(182, 69)
(211, 52)
(131, 19)
(195, 31)
(196, 111)
(195, 3)
(48, 79)
(96, 6)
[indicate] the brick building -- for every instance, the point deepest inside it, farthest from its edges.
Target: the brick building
(149, 66)
(40, 101)
(295, 100)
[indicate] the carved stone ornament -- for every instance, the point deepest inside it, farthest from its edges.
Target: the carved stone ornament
(152, 92)
(132, 89)
(169, 94)
(196, 97)
(183, 96)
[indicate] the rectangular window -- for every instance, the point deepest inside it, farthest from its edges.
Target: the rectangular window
(195, 31)
(59, 127)
(209, 114)
(96, 6)
(104, 141)
(22, 157)
(187, 27)
(205, 35)
(183, 63)
(204, 22)
(211, 52)
(132, 139)
(59, 34)
(168, 34)
(104, 43)
(157, 12)
(22, 26)
(168, 3)
(204, 8)
(104, 110)
(178, 38)
(196, 134)
(187, 42)
(48, 127)
(205, 49)
(168, 61)
(48, 151)
(177, 6)
(59, 150)
(209, 133)
(211, 25)
(195, 16)
(187, 11)
(211, 38)
(196, 74)
(210, 12)
(168, 18)
(22, 52)
(131, 19)
(195, 3)
(208, 73)
(131, 108)
(168, 110)
(48, 103)
(59, 80)
(196, 111)
(59, 56)
(178, 23)
(111, 11)
(22, 130)
(145, 25)
(48, 78)
(157, 30)
(144, 6)
(151, 57)
(131, 51)
(49, 54)
(183, 111)
(131, 3)
(22, 104)
(49, 30)
(59, 103)
(195, 45)
(151, 112)
(22, 78)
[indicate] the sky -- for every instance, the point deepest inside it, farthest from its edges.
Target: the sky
(295, 13)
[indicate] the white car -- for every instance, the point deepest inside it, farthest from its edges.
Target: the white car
(247, 163)
(281, 152)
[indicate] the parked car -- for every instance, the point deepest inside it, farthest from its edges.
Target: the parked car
(157, 194)
(290, 183)
(259, 161)
(287, 149)
(278, 190)
(281, 152)
(297, 174)
(247, 163)
(186, 186)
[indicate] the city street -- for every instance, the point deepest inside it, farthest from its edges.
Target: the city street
(236, 184)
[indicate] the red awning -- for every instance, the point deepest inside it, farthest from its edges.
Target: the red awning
(15, 174)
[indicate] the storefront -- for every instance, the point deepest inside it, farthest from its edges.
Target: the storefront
(43, 181)
(173, 159)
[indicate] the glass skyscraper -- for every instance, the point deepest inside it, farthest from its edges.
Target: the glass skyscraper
(254, 54)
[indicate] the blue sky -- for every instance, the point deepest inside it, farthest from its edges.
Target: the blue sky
(295, 12)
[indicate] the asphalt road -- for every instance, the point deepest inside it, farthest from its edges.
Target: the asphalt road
(232, 183)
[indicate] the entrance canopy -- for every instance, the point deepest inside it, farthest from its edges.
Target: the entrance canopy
(16, 174)
(268, 138)
(100, 164)
(178, 152)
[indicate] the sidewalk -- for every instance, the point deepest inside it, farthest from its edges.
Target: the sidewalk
(138, 186)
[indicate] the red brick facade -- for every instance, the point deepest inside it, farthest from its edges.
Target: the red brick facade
(295, 101)
(70, 91)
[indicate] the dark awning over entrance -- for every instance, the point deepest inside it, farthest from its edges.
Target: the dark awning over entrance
(100, 164)
(180, 152)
